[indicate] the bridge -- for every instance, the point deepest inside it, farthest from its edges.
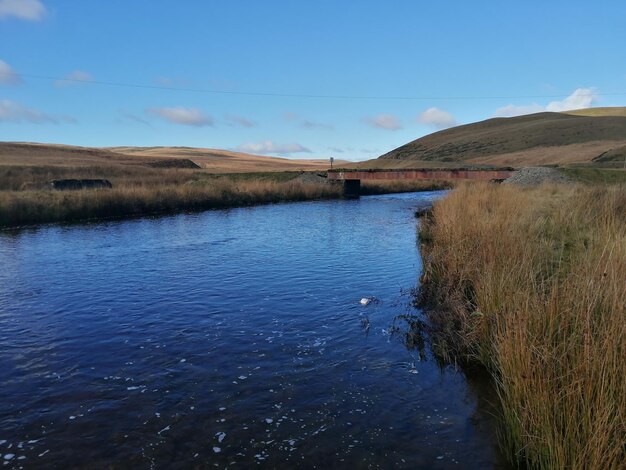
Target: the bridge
(352, 178)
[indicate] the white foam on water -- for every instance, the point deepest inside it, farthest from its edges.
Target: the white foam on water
(217, 450)
(166, 428)
(9, 456)
(269, 420)
(44, 453)
(242, 377)
(3, 441)
(220, 436)
(72, 417)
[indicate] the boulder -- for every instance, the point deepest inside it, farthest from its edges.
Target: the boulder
(74, 184)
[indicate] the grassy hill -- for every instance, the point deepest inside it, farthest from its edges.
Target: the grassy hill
(213, 160)
(596, 135)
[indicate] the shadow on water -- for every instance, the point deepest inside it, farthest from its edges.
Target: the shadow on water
(413, 331)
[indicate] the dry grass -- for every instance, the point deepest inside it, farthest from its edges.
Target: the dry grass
(402, 186)
(31, 207)
(532, 284)
(214, 160)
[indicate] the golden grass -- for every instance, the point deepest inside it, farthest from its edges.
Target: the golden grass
(601, 111)
(31, 207)
(214, 160)
(402, 186)
(531, 283)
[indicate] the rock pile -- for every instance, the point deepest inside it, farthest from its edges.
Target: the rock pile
(533, 176)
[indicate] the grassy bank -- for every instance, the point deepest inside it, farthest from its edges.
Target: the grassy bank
(33, 207)
(531, 284)
(26, 197)
(402, 186)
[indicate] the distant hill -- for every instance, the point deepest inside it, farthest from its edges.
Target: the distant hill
(581, 136)
(212, 160)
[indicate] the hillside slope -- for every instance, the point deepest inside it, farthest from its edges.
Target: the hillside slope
(535, 139)
(213, 160)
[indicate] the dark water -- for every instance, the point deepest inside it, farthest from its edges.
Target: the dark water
(228, 338)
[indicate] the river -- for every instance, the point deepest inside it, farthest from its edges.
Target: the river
(228, 339)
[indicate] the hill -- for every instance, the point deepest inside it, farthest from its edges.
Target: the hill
(212, 160)
(581, 136)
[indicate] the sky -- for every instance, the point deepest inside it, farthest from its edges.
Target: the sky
(302, 79)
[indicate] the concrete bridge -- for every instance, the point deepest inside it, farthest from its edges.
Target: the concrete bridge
(352, 178)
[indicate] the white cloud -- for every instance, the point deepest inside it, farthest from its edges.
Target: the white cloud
(10, 111)
(267, 146)
(240, 120)
(579, 99)
(31, 10)
(8, 76)
(513, 110)
(437, 118)
(384, 121)
(75, 77)
(184, 116)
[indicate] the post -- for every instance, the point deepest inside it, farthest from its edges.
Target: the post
(331, 162)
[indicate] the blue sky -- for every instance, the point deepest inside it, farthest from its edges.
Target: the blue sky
(297, 78)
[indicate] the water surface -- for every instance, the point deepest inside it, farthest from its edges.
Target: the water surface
(228, 338)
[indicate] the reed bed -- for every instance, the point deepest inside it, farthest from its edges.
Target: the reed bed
(18, 178)
(19, 208)
(531, 283)
(402, 186)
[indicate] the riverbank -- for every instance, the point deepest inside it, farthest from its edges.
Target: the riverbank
(529, 283)
(169, 191)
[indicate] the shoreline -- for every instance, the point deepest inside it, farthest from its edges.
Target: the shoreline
(527, 284)
(31, 209)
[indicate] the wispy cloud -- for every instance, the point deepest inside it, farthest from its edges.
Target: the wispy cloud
(11, 111)
(437, 118)
(306, 123)
(511, 110)
(8, 76)
(30, 10)
(76, 77)
(185, 116)
(336, 150)
(133, 117)
(268, 146)
(579, 99)
(239, 120)
(384, 121)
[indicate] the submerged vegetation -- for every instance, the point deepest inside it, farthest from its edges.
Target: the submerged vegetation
(530, 283)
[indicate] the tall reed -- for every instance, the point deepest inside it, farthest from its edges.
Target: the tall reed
(531, 283)
(31, 207)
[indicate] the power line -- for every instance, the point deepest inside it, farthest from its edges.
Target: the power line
(298, 95)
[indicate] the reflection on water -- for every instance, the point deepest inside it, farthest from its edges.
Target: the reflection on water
(228, 338)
